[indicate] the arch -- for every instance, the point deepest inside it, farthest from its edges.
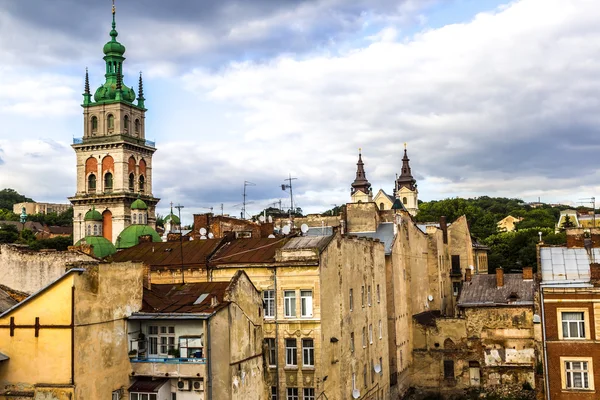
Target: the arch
(91, 183)
(381, 206)
(142, 183)
(126, 124)
(131, 182)
(137, 126)
(108, 164)
(91, 165)
(95, 230)
(110, 122)
(107, 225)
(448, 344)
(108, 182)
(94, 124)
(89, 230)
(131, 164)
(142, 170)
(404, 200)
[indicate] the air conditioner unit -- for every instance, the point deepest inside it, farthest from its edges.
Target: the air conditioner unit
(198, 386)
(183, 386)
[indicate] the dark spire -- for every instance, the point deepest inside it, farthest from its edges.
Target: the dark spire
(406, 179)
(360, 183)
(87, 97)
(141, 93)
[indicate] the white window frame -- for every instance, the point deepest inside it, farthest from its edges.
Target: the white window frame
(273, 392)
(364, 337)
(292, 393)
(152, 340)
(353, 381)
(369, 296)
(380, 330)
(568, 371)
(269, 303)
(370, 333)
(142, 396)
(116, 395)
(291, 353)
(586, 324)
(289, 302)
(306, 303)
(271, 352)
(308, 353)
(308, 394)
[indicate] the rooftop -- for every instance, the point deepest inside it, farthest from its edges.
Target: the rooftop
(196, 298)
(482, 291)
(385, 234)
(167, 254)
(248, 251)
(566, 266)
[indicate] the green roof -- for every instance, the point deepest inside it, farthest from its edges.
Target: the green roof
(139, 205)
(93, 215)
(101, 246)
(131, 236)
(173, 218)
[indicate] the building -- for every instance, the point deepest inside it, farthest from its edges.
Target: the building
(40, 208)
(508, 223)
(406, 187)
(361, 191)
(114, 159)
(198, 341)
(219, 226)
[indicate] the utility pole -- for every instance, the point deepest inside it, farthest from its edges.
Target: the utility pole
(179, 207)
(289, 186)
(591, 200)
(246, 183)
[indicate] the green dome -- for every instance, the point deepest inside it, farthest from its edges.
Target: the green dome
(131, 236)
(101, 246)
(93, 215)
(173, 218)
(139, 205)
(114, 48)
(108, 92)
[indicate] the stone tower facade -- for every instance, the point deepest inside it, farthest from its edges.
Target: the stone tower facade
(360, 191)
(405, 188)
(114, 159)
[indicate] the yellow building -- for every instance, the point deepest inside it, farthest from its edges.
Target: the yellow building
(508, 223)
(40, 208)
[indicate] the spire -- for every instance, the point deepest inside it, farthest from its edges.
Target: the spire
(141, 93)
(87, 97)
(360, 182)
(119, 85)
(406, 179)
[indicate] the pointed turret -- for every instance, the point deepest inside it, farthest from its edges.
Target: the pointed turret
(406, 186)
(141, 98)
(406, 179)
(87, 97)
(361, 187)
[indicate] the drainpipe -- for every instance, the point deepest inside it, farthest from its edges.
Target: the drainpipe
(546, 382)
(276, 333)
(208, 354)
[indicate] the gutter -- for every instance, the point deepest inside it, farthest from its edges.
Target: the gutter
(209, 356)
(546, 382)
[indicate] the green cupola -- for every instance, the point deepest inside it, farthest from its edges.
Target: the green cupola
(93, 215)
(139, 205)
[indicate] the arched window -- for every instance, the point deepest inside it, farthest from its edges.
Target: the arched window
(94, 124)
(141, 183)
(110, 121)
(137, 126)
(89, 230)
(145, 219)
(126, 124)
(404, 200)
(381, 206)
(135, 218)
(95, 230)
(92, 183)
(108, 182)
(131, 182)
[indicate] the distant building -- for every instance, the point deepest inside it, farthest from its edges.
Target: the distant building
(40, 208)
(508, 223)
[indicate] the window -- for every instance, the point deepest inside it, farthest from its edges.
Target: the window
(135, 218)
(153, 340)
(372, 372)
(191, 347)
(142, 396)
(269, 303)
(292, 393)
(94, 124)
(126, 124)
(95, 230)
(380, 330)
(369, 297)
(352, 342)
(271, 354)
(92, 183)
(173, 395)
(455, 288)
(308, 394)
(378, 294)
(371, 333)
(577, 375)
(89, 230)
(289, 302)
(116, 395)
(137, 126)
(381, 365)
(573, 325)
(362, 296)
(141, 183)
(167, 339)
(111, 122)
(404, 200)
(456, 264)
(306, 303)
(273, 392)
(365, 375)
(448, 369)
(353, 381)
(351, 300)
(381, 206)
(291, 353)
(131, 182)
(308, 353)
(364, 337)
(108, 182)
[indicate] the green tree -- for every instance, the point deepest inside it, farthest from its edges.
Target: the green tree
(567, 223)
(8, 233)
(8, 215)
(10, 197)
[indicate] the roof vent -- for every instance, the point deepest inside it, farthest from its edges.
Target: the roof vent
(214, 302)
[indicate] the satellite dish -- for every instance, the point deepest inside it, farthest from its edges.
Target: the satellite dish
(203, 231)
(271, 236)
(261, 218)
(286, 230)
(304, 228)
(270, 219)
(430, 298)
(211, 236)
(377, 368)
(202, 237)
(355, 393)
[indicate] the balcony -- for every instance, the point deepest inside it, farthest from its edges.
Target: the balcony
(169, 367)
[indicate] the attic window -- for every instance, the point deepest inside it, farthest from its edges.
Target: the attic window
(168, 250)
(513, 296)
(201, 298)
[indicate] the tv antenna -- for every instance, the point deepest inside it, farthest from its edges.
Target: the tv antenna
(289, 186)
(592, 201)
(246, 183)
(179, 207)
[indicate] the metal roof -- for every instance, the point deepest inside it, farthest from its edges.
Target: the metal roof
(384, 232)
(6, 301)
(147, 385)
(184, 298)
(308, 242)
(166, 254)
(563, 266)
(482, 291)
(248, 251)
(319, 231)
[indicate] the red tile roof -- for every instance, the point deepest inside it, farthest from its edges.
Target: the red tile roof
(248, 251)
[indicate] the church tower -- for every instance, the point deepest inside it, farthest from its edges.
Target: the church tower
(361, 191)
(406, 187)
(114, 159)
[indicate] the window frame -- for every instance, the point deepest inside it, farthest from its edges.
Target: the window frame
(352, 342)
(370, 333)
(290, 395)
(380, 330)
(271, 352)
(308, 393)
(586, 323)
(306, 309)
(589, 371)
(369, 296)
(308, 352)
(289, 304)
(273, 392)
(378, 294)
(291, 353)
(351, 299)
(269, 303)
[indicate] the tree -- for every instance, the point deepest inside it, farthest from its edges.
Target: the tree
(8, 233)
(10, 197)
(567, 223)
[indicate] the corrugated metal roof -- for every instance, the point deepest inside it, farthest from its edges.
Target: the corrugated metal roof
(165, 254)
(482, 291)
(562, 265)
(248, 251)
(147, 385)
(385, 233)
(319, 231)
(184, 298)
(6, 301)
(307, 242)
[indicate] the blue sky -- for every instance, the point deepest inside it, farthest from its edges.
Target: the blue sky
(493, 97)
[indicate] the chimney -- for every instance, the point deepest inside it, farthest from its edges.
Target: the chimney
(468, 275)
(594, 272)
(147, 280)
(528, 273)
(444, 228)
(499, 277)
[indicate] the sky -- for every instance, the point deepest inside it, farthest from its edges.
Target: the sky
(492, 97)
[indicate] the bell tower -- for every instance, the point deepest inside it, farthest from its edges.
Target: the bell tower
(114, 159)
(406, 187)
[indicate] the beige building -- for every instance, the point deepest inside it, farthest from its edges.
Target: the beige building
(508, 223)
(40, 208)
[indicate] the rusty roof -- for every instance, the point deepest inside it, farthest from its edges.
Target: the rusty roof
(196, 298)
(308, 242)
(482, 291)
(248, 251)
(147, 385)
(427, 318)
(168, 254)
